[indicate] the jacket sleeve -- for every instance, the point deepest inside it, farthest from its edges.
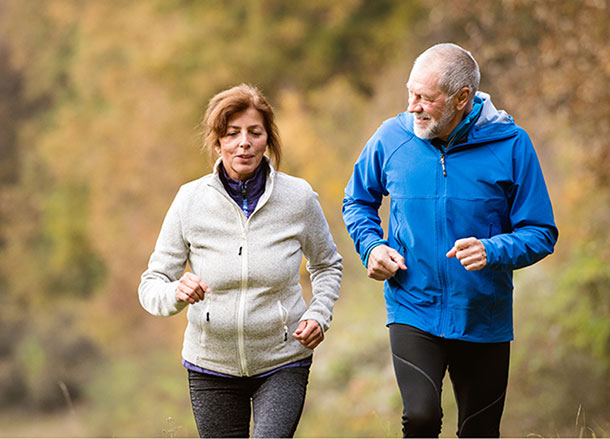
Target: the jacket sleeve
(323, 263)
(363, 196)
(534, 233)
(166, 265)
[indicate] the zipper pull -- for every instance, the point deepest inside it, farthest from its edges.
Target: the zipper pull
(244, 198)
(239, 254)
(207, 316)
(443, 164)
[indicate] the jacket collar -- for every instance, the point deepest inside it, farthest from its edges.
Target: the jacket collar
(467, 123)
(216, 183)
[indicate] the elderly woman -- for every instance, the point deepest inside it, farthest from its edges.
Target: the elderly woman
(243, 231)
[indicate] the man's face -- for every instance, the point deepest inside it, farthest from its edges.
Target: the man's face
(433, 113)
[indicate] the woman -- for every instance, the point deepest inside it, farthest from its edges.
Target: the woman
(243, 230)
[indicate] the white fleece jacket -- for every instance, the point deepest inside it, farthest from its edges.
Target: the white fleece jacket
(244, 326)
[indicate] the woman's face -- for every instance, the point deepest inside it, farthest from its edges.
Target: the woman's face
(244, 144)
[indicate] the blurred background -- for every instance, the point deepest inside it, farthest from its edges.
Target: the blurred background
(100, 104)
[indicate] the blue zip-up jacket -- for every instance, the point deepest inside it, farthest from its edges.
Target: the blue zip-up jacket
(487, 185)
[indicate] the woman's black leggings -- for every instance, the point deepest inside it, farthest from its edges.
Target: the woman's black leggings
(222, 406)
(478, 372)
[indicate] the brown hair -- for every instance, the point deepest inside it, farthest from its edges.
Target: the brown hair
(235, 100)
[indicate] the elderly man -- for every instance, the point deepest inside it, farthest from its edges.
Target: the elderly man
(468, 206)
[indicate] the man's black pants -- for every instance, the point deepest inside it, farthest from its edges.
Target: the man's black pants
(478, 372)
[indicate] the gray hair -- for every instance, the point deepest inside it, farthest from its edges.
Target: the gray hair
(456, 67)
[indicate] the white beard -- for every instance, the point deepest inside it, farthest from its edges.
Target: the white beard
(435, 126)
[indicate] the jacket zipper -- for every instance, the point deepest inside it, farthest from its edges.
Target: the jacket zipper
(242, 308)
(244, 198)
(442, 235)
(443, 164)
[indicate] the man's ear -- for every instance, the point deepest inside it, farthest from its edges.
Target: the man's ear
(462, 98)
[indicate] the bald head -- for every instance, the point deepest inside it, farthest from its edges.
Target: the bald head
(456, 68)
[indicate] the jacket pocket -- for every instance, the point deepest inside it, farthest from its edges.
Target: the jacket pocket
(205, 319)
(495, 228)
(283, 314)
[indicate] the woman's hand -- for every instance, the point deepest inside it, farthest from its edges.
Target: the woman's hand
(309, 333)
(191, 288)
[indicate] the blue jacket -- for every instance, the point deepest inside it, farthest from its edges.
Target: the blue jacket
(487, 185)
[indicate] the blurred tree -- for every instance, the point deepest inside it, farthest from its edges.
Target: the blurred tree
(46, 256)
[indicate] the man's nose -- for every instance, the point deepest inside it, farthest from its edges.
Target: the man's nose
(413, 106)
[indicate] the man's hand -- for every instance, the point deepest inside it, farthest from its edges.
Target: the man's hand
(384, 262)
(470, 252)
(191, 288)
(309, 333)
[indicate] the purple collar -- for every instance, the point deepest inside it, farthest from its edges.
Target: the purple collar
(245, 193)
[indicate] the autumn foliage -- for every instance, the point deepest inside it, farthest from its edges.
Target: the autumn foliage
(100, 105)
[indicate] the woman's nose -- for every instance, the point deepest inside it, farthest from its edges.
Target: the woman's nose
(244, 140)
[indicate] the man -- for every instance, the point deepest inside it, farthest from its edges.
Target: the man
(468, 206)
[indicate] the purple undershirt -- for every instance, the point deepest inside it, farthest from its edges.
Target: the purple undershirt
(301, 363)
(246, 194)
